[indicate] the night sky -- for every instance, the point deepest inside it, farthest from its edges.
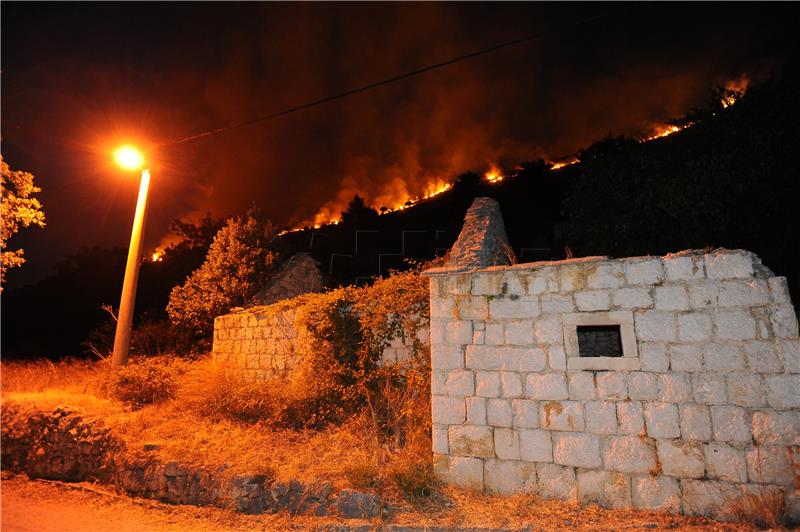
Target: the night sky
(79, 79)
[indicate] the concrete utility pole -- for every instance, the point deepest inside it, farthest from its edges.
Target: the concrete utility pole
(122, 337)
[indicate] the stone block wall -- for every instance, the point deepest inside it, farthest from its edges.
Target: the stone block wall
(265, 341)
(702, 408)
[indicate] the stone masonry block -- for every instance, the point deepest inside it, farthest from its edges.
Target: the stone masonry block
(476, 411)
(511, 384)
(525, 413)
(508, 307)
(671, 298)
(438, 378)
(684, 268)
(506, 444)
(548, 331)
(743, 293)
(576, 449)
(723, 462)
(471, 440)
(649, 271)
(686, 357)
(628, 454)
(694, 327)
(730, 423)
(557, 358)
(442, 308)
(447, 356)
(656, 493)
(581, 385)
(653, 357)
(486, 284)
(487, 384)
(707, 497)
(746, 389)
(662, 420)
(572, 278)
(783, 391)
(771, 464)
(562, 415)
(763, 357)
(784, 322)
(458, 332)
(703, 294)
(709, 388)
(498, 412)
(611, 385)
(439, 439)
(734, 325)
(512, 284)
(695, 422)
(493, 333)
(604, 488)
(632, 298)
(592, 300)
(655, 326)
(790, 352)
(519, 332)
(535, 445)
(546, 386)
(723, 358)
(728, 265)
(470, 308)
(606, 275)
(674, 387)
(505, 358)
(776, 428)
(459, 471)
(460, 383)
(630, 416)
(448, 410)
(601, 417)
(643, 386)
(556, 303)
(682, 459)
(779, 290)
(556, 482)
(505, 477)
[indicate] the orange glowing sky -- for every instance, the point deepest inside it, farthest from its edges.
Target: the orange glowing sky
(154, 72)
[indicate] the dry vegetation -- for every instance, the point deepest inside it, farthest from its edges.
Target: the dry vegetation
(340, 418)
(186, 426)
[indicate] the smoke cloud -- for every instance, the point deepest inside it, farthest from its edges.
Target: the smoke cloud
(67, 99)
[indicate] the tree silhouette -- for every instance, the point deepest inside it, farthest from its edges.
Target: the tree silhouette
(358, 215)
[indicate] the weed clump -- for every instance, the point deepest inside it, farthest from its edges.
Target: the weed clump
(145, 381)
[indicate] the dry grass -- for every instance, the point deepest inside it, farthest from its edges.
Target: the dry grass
(762, 510)
(190, 427)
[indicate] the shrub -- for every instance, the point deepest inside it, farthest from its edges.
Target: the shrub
(236, 266)
(411, 471)
(144, 382)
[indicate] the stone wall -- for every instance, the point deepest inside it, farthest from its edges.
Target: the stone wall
(265, 341)
(702, 408)
(298, 275)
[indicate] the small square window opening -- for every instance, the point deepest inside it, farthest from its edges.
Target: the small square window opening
(599, 341)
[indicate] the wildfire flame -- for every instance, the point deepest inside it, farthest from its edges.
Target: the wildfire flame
(400, 199)
(494, 175)
(157, 256)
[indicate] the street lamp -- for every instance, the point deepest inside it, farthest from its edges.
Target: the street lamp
(130, 158)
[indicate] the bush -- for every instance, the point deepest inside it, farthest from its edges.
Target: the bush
(145, 382)
(236, 266)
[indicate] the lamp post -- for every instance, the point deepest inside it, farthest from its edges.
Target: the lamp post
(130, 158)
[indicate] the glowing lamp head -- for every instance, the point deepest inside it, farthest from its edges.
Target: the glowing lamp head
(129, 157)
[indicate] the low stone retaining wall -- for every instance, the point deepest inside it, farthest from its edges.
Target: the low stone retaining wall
(695, 403)
(260, 342)
(61, 445)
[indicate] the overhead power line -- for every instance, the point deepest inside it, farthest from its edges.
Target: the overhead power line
(399, 77)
